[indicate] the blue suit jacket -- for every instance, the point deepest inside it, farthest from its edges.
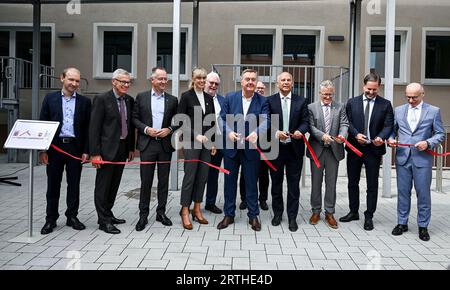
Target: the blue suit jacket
(428, 129)
(232, 105)
(380, 124)
(51, 110)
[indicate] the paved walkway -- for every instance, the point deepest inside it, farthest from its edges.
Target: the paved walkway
(237, 247)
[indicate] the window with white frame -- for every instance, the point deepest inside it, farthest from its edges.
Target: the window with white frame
(276, 45)
(376, 53)
(436, 62)
(115, 46)
(161, 46)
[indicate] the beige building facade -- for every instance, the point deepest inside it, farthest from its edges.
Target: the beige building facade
(99, 37)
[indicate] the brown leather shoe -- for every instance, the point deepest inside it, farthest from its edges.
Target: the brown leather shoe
(227, 220)
(256, 225)
(330, 221)
(315, 218)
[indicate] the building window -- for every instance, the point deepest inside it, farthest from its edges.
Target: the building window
(115, 46)
(436, 56)
(117, 50)
(164, 51)
(256, 49)
(299, 49)
(376, 53)
(161, 46)
(437, 65)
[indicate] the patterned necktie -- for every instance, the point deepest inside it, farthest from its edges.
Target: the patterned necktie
(285, 115)
(123, 119)
(327, 119)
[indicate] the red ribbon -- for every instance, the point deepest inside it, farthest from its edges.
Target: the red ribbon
(141, 162)
(429, 151)
(349, 145)
(311, 151)
(265, 159)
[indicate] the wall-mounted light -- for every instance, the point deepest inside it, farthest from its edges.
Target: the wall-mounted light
(65, 34)
(336, 38)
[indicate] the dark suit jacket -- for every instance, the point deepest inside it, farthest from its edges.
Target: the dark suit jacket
(381, 122)
(142, 117)
(104, 132)
(188, 103)
(259, 107)
(298, 118)
(52, 111)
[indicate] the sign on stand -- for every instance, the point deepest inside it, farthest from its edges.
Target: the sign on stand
(30, 135)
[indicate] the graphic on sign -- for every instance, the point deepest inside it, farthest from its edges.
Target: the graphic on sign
(31, 134)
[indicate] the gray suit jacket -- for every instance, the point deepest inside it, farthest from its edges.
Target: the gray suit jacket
(339, 126)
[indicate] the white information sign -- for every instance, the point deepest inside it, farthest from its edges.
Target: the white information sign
(31, 134)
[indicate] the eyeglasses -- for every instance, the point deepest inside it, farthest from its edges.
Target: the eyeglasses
(123, 83)
(214, 83)
(327, 95)
(412, 97)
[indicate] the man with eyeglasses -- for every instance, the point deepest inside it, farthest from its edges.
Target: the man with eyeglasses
(152, 116)
(417, 123)
(111, 138)
(371, 120)
(327, 120)
(211, 87)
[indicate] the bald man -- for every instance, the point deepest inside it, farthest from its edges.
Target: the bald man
(420, 124)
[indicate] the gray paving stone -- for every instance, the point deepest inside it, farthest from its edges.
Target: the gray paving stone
(205, 247)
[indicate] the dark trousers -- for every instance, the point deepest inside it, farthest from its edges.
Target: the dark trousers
(263, 182)
(195, 176)
(213, 178)
(154, 152)
(354, 165)
(107, 183)
(250, 168)
(293, 164)
(55, 168)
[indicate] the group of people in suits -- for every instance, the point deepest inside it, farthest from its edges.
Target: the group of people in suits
(231, 128)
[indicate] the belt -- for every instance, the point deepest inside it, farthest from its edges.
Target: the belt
(66, 140)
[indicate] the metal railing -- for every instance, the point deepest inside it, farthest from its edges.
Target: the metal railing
(306, 78)
(16, 74)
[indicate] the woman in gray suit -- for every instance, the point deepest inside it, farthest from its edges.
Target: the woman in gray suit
(197, 105)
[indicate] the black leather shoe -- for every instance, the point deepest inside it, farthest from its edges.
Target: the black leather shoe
(48, 228)
(162, 218)
(351, 216)
(227, 220)
(263, 205)
(243, 205)
(276, 221)
(423, 234)
(109, 229)
(141, 224)
(116, 221)
(256, 225)
(213, 208)
(293, 226)
(368, 224)
(399, 229)
(75, 223)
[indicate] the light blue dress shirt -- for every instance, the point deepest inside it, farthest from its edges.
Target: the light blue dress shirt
(68, 109)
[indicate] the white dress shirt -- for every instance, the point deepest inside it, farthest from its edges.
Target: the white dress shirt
(201, 99)
(246, 104)
(371, 104)
(414, 115)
